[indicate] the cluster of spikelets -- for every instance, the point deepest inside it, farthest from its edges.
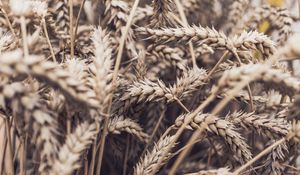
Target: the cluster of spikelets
(148, 87)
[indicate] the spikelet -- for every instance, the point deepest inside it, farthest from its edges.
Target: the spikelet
(14, 64)
(237, 8)
(5, 40)
(273, 128)
(120, 124)
(101, 67)
(194, 33)
(147, 164)
(260, 72)
(71, 151)
(256, 41)
(161, 16)
(212, 38)
(29, 114)
(223, 129)
(173, 56)
(60, 19)
(277, 17)
(147, 90)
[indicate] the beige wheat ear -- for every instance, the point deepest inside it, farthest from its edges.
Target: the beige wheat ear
(5, 40)
(162, 10)
(223, 129)
(121, 124)
(32, 115)
(237, 9)
(164, 53)
(273, 128)
(13, 63)
(101, 68)
(151, 159)
(217, 40)
(72, 150)
(146, 90)
(277, 17)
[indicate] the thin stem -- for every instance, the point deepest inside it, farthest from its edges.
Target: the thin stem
(248, 86)
(192, 115)
(48, 40)
(10, 152)
(167, 131)
(86, 166)
(208, 120)
(115, 75)
(22, 157)
(183, 126)
(299, 8)
(94, 152)
(8, 21)
(24, 36)
(69, 120)
(186, 150)
(184, 147)
(250, 97)
(258, 156)
(185, 23)
(218, 64)
(78, 16)
(181, 104)
(153, 132)
(71, 27)
(25, 152)
(3, 153)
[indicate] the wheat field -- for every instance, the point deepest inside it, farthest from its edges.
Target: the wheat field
(149, 87)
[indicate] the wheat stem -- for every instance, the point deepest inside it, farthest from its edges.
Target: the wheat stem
(2, 152)
(71, 28)
(22, 157)
(181, 104)
(48, 40)
(9, 144)
(217, 65)
(185, 22)
(299, 8)
(7, 20)
(186, 150)
(78, 16)
(24, 36)
(258, 156)
(115, 74)
(196, 134)
(86, 166)
(94, 153)
(153, 133)
(183, 126)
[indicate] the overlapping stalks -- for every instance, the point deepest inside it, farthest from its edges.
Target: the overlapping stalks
(148, 87)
